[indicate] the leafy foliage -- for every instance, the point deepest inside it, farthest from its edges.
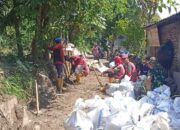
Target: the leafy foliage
(28, 26)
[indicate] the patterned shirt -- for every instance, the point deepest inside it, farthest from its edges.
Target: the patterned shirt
(158, 75)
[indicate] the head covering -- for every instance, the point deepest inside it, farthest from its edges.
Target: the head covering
(124, 54)
(118, 60)
(57, 39)
(152, 60)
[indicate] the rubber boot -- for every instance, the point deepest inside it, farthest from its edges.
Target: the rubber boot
(111, 79)
(60, 87)
(78, 78)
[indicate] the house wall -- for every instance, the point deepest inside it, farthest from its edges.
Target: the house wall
(172, 32)
(152, 41)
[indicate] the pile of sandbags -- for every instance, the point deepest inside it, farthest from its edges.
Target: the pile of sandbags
(154, 111)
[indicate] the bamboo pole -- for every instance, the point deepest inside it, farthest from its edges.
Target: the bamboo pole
(37, 97)
(99, 81)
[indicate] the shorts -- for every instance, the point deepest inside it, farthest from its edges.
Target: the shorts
(79, 69)
(60, 70)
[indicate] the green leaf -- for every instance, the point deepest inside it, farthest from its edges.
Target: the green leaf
(160, 9)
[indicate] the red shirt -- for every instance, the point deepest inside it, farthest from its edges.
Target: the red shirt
(121, 71)
(131, 71)
(118, 60)
(77, 60)
(58, 53)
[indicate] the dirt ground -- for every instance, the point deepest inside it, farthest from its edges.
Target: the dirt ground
(58, 110)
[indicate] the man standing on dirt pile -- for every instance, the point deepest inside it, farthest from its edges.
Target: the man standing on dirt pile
(58, 57)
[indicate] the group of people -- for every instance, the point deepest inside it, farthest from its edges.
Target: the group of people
(122, 66)
(126, 64)
(78, 63)
(97, 52)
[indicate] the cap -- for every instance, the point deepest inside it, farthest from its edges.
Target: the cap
(124, 54)
(152, 60)
(57, 39)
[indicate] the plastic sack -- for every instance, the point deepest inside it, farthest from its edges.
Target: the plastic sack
(175, 120)
(79, 104)
(145, 123)
(142, 77)
(98, 116)
(161, 89)
(94, 103)
(102, 68)
(126, 78)
(163, 106)
(115, 105)
(112, 64)
(78, 120)
(176, 104)
(125, 87)
(161, 122)
(118, 120)
(113, 87)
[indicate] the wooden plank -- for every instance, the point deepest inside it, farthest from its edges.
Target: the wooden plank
(153, 36)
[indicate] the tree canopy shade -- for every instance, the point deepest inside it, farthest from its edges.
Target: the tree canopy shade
(28, 26)
(32, 24)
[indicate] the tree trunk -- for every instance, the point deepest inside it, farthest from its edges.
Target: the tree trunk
(18, 40)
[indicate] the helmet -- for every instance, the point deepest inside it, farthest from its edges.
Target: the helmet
(57, 39)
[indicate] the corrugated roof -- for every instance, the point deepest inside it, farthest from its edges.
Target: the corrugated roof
(168, 20)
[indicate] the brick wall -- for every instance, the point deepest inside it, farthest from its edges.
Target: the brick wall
(172, 32)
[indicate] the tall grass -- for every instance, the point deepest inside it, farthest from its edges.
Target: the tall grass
(16, 85)
(17, 82)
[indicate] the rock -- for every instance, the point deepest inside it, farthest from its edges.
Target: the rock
(7, 109)
(22, 115)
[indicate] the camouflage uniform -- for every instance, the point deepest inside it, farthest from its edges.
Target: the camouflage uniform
(158, 75)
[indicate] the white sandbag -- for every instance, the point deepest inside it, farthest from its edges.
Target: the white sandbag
(145, 110)
(176, 104)
(118, 120)
(163, 106)
(79, 104)
(112, 64)
(119, 103)
(145, 123)
(113, 87)
(126, 87)
(161, 89)
(128, 127)
(161, 122)
(142, 77)
(98, 116)
(102, 68)
(165, 94)
(145, 99)
(94, 103)
(78, 120)
(126, 78)
(174, 120)
(140, 111)
(115, 105)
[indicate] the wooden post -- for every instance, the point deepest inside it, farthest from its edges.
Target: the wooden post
(37, 97)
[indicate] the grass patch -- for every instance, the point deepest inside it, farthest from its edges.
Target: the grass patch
(16, 81)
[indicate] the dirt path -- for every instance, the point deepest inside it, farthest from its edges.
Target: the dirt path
(55, 114)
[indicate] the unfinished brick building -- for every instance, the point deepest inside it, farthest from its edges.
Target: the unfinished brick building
(159, 33)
